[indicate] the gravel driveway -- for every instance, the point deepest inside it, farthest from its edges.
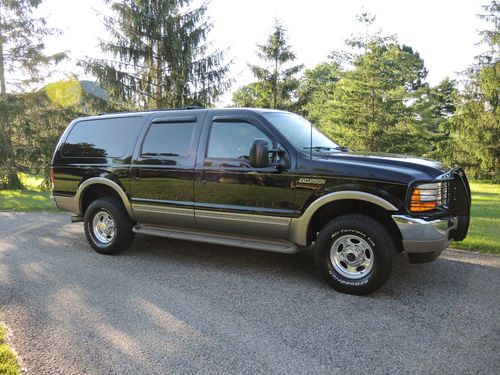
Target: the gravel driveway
(172, 307)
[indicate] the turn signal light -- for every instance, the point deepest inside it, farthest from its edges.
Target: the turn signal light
(425, 197)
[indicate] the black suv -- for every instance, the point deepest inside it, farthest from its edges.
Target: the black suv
(258, 179)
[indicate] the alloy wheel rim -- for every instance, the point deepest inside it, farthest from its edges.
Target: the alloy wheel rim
(352, 257)
(104, 227)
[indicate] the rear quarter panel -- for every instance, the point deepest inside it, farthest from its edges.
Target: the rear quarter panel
(71, 172)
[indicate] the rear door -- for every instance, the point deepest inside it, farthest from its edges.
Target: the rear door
(162, 171)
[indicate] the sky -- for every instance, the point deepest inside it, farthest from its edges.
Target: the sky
(443, 32)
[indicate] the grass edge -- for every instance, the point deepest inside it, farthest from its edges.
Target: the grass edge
(9, 360)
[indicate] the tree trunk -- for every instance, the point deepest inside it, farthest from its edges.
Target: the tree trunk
(159, 80)
(159, 65)
(13, 181)
(2, 62)
(275, 88)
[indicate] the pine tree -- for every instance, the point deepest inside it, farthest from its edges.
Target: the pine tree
(22, 45)
(276, 82)
(373, 106)
(435, 112)
(160, 55)
(252, 96)
(317, 86)
(475, 129)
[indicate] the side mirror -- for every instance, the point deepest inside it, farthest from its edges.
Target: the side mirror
(259, 153)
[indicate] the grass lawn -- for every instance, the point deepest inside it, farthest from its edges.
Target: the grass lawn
(30, 199)
(8, 360)
(25, 200)
(484, 230)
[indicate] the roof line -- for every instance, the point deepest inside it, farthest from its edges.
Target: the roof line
(153, 110)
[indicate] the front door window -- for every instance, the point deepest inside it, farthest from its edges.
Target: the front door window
(232, 140)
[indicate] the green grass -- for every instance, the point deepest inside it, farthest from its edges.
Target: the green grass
(32, 198)
(8, 360)
(25, 200)
(31, 182)
(484, 230)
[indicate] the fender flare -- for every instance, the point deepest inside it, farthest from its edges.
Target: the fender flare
(300, 225)
(104, 181)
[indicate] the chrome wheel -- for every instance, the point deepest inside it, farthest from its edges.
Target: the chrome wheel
(103, 227)
(351, 256)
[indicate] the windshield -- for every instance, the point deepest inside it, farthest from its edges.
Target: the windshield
(298, 131)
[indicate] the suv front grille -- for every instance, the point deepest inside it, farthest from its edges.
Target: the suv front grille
(443, 194)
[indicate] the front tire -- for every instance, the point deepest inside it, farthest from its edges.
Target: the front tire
(108, 227)
(354, 254)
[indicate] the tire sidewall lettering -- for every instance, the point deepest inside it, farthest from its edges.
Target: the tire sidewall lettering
(352, 231)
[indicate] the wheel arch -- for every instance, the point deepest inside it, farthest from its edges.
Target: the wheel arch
(303, 230)
(97, 187)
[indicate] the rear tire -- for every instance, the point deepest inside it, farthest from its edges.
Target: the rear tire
(108, 227)
(354, 254)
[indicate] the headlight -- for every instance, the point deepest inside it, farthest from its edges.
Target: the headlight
(428, 196)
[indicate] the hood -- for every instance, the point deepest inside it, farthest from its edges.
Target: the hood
(381, 166)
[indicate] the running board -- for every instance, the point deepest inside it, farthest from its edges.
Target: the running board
(277, 246)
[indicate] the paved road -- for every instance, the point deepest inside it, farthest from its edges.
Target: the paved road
(168, 307)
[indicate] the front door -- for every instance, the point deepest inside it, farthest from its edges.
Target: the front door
(162, 173)
(231, 196)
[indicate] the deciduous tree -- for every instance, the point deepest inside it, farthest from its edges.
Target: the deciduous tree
(37, 119)
(22, 58)
(317, 87)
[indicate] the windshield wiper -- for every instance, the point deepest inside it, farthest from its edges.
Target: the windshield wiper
(326, 148)
(318, 148)
(159, 154)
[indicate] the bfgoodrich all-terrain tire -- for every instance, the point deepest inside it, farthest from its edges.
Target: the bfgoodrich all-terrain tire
(107, 226)
(354, 254)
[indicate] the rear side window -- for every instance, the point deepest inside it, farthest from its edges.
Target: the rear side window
(101, 137)
(169, 139)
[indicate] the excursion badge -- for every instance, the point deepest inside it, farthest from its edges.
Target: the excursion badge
(312, 181)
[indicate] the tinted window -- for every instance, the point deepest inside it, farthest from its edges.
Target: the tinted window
(233, 139)
(101, 137)
(169, 139)
(299, 131)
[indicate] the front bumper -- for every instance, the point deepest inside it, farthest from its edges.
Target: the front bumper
(423, 239)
